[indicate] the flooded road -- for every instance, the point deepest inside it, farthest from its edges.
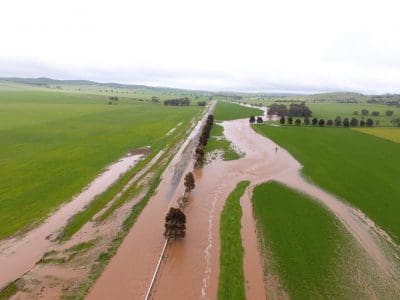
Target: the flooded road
(20, 254)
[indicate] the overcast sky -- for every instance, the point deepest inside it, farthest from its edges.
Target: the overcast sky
(246, 45)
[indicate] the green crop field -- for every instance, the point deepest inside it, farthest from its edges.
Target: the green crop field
(230, 111)
(54, 143)
(231, 277)
(360, 168)
(391, 134)
(306, 248)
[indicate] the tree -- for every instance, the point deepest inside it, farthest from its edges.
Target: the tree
(369, 123)
(365, 112)
(321, 122)
(299, 110)
(282, 120)
(375, 113)
(389, 113)
(396, 122)
(183, 202)
(314, 121)
(362, 123)
(201, 103)
(329, 123)
(199, 156)
(203, 139)
(338, 121)
(354, 122)
(112, 99)
(307, 121)
(252, 119)
(189, 182)
(178, 102)
(155, 99)
(346, 122)
(297, 122)
(175, 224)
(279, 109)
(355, 113)
(290, 120)
(259, 120)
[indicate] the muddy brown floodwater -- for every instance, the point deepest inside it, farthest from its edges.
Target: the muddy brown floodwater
(190, 268)
(18, 255)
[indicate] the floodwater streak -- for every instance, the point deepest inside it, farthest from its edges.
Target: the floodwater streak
(192, 265)
(19, 255)
(252, 263)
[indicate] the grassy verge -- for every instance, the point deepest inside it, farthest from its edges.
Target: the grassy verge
(231, 277)
(10, 290)
(218, 143)
(230, 111)
(362, 169)
(305, 246)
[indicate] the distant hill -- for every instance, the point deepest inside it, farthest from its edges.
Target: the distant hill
(43, 81)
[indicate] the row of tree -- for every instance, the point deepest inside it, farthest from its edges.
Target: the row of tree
(259, 120)
(203, 140)
(346, 122)
(295, 110)
(365, 112)
(175, 220)
(178, 102)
